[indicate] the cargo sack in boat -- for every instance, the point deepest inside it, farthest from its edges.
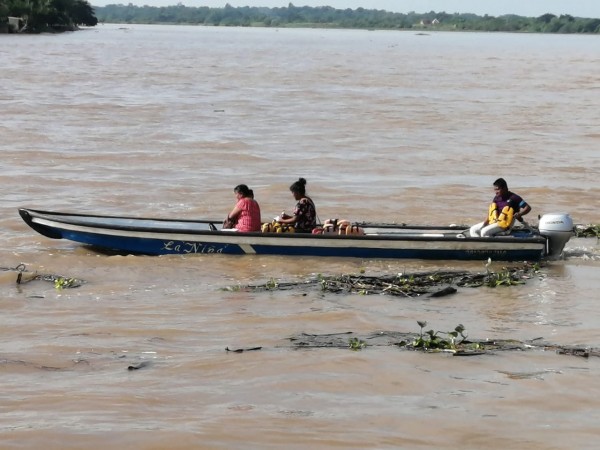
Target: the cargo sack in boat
(355, 230)
(276, 227)
(330, 226)
(341, 227)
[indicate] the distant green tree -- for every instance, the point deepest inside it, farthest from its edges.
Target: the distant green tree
(546, 18)
(82, 13)
(591, 26)
(49, 15)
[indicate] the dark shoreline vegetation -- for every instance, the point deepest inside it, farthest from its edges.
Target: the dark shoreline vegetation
(35, 16)
(328, 17)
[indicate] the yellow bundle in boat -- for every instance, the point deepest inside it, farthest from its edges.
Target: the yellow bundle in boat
(276, 227)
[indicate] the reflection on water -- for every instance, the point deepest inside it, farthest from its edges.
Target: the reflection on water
(163, 121)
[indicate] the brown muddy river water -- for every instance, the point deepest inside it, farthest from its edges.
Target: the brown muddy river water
(163, 121)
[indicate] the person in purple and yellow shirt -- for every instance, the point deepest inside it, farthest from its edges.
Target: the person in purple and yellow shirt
(506, 207)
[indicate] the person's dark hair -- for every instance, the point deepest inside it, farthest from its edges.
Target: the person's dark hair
(299, 186)
(501, 183)
(244, 190)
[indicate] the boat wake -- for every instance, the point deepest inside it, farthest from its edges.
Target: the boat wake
(587, 253)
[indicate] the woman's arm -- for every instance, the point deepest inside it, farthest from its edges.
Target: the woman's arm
(233, 215)
(284, 218)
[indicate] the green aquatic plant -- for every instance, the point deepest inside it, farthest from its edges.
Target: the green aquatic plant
(587, 231)
(503, 278)
(434, 340)
(62, 283)
(356, 344)
(408, 280)
(271, 284)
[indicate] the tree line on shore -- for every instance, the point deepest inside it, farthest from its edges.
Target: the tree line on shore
(36, 16)
(59, 15)
(329, 17)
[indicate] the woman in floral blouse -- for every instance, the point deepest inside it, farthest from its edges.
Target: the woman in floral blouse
(304, 217)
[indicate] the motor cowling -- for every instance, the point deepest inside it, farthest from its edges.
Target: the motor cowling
(558, 229)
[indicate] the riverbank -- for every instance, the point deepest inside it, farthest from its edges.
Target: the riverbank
(328, 17)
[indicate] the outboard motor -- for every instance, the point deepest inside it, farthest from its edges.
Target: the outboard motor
(558, 229)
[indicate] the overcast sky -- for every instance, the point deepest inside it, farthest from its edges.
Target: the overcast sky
(529, 8)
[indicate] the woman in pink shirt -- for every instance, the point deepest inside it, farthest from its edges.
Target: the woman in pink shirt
(245, 216)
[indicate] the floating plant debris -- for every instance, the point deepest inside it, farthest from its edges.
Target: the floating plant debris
(455, 342)
(434, 283)
(60, 282)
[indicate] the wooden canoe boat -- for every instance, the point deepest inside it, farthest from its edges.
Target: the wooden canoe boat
(148, 236)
